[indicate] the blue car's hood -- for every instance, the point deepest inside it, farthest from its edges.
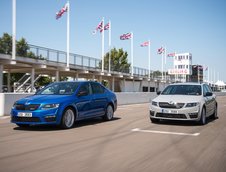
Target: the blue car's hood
(40, 99)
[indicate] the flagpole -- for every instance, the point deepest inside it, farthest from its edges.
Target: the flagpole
(211, 75)
(149, 59)
(131, 53)
(14, 31)
(165, 62)
(162, 66)
(68, 34)
(198, 72)
(174, 66)
(109, 43)
(208, 75)
(102, 54)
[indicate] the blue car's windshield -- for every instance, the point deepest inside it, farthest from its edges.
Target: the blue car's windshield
(182, 90)
(60, 88)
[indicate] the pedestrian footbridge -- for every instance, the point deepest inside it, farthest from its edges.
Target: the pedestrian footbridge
(53, 63)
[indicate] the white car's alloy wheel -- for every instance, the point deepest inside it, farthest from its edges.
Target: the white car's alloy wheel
(215, 112)
(203, 117)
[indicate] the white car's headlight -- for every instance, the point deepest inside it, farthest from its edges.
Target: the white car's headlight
(49, 106)
(154, 103)
(192, 104)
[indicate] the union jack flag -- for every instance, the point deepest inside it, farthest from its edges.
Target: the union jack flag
(145, 44)
(62, 11)
(126, 36)
(106, 27)
(99, 27)
(161, 50)
(171, 55)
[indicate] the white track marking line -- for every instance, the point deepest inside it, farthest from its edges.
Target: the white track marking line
(4, 117)
(164, 132)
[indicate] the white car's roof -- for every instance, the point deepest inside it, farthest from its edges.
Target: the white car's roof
(187, 83)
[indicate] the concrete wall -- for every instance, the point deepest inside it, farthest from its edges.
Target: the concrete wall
(7, 99)
(134, 97)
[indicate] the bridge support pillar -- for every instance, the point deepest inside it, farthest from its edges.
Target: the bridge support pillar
(77, 75)
(141, 86)
(100, 79)
(1, 77)
(133, 85)
(57, 76)
(32, 79)
(8, 81)
(113, 84)
(149, 85)
(124, 85)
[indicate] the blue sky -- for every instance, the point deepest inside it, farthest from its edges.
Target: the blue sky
(195, 26)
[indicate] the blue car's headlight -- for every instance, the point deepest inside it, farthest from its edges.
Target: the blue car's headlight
(49, 106)
(14, 105)
(192, 104)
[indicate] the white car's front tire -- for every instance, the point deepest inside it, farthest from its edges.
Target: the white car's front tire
(202, 120)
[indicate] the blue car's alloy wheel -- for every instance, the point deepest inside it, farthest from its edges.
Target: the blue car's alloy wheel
(68, 118)
(109, 113)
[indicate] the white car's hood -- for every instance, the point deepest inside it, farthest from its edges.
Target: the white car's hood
(178, 98)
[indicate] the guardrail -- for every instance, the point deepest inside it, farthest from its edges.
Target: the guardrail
(79, 60)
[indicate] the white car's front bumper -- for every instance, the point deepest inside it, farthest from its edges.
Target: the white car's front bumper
(191, 113)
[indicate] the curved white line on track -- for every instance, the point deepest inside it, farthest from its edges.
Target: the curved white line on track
(164, 132)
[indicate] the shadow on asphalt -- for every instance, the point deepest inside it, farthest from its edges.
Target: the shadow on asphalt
(183, 123)
(78, 124)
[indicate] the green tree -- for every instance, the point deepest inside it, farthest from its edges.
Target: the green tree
(156, 74)
(44, 80)
(6, 44)
(22, 47)
(118, 60)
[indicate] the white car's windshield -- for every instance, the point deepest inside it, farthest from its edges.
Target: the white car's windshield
(61, 88)
(182, 90)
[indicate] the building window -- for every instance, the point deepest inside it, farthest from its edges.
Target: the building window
(186, 66)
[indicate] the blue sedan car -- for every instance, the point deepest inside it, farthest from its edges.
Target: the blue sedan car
(63, 103)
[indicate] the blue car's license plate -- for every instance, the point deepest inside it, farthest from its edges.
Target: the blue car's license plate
(24, 114)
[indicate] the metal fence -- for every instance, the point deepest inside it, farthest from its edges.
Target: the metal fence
(79, 60)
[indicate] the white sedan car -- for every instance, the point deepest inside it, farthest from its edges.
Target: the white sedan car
(184, 101)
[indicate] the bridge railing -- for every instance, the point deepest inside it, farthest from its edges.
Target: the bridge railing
(79, 60)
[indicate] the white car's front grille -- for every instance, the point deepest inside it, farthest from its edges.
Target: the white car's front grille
(171, 105)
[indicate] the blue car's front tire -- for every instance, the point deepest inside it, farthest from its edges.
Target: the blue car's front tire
(68, 118)
(109, 114)
(23, 125)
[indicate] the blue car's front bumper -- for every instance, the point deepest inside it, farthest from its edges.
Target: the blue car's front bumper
(37, 117)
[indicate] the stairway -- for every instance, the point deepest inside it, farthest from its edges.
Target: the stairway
(24, 84)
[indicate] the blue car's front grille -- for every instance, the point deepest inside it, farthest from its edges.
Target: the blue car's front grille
(30, 107)
(25, 119)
